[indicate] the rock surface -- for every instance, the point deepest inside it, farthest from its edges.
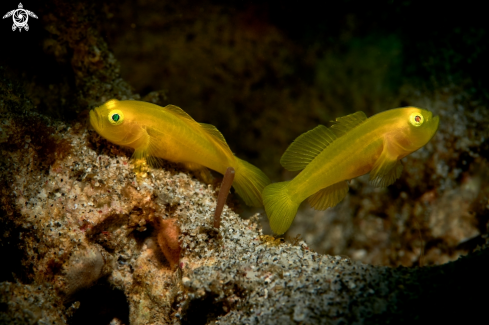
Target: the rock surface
(87, 219)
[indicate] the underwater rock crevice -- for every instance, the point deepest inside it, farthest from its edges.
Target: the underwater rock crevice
(100, 304)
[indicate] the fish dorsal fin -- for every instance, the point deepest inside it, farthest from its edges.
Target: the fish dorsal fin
(179, 112)
(329, 197)
(208, 128)
(346, 123)
(310, 144)
(306, 147)
(212, 130)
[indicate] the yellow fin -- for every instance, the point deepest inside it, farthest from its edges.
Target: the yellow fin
(249, 182)
(346, 123)
(150, 150)
(329, 197)
(306, 147)
(140, 161)
(385, 173)
(214, 132)
(201, 172)
(310, 144)
(208, 128)
(280, 207)
(387, 167)
(178, 111)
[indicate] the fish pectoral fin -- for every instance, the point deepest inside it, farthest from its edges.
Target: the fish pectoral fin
(386, 169)
(140, 163)
(200, 172)
(143, 157)
(329, 196)
(306, 147)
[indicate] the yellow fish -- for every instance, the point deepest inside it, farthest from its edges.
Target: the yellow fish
(353, 146)
(171, 134)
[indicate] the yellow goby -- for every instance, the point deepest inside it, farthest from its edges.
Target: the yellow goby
(353, 146)
(171, 134)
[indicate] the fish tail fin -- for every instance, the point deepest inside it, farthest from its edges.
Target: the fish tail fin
(280, 207)
(249, 182)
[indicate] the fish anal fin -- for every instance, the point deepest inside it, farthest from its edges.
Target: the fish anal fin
(344, 124)
(200, 172)
(329, 196)
(306, 147)
(387, 168)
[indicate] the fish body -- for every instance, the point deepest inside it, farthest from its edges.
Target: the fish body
(354, 146)
(171, 134)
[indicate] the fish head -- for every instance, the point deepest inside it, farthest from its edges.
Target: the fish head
(116, 122)
(420, 125)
